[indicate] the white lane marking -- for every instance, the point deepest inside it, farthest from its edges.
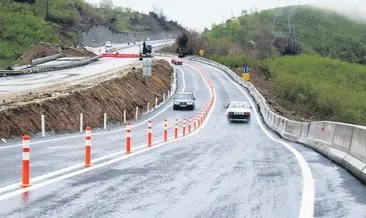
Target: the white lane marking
(66, 176)
(308, 192)
(102, 133)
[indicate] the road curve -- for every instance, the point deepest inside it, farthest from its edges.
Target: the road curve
(224, 170)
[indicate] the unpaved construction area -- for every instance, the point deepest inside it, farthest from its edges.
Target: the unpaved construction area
(112, 94)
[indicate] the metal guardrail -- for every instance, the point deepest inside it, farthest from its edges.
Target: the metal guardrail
(45, 59)
(343, 143)
(4, 73)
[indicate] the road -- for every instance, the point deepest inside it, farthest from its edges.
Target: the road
(221, 170)
(99, 68)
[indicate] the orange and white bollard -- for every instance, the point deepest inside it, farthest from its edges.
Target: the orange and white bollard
(194, 123)
(26, 160)
(149, 133)
(176, 129)
(189, 125)
(165, 130)
(184, 127)
(87, 158)
(128, 138)
(198, 120)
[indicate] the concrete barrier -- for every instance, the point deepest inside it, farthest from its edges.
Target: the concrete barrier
(322, 131)
(358, 144)
(342, 137)
(293, 129)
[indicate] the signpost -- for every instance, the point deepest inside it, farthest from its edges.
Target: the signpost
(146, 65)
(202, 52)
(246, 74)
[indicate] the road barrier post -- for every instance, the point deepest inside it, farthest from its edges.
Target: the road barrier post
(199, 120)
(165, 130)
(149, 133)
(164, 97)
(184, 127)
(105, 120)
(81, 122)
(87, 146)
(156, 102)
(194, 123)
(176, 129)
(189, 125)
(148, 107)
(43, 126)
(26, 160)
(124, 117)
(128, 138)
(137, 113)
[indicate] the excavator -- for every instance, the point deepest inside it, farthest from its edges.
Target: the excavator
(145, 51)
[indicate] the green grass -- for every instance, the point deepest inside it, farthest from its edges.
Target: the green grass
(326, 88)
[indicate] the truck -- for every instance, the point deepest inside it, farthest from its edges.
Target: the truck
(182, 52)
(145, 51)
(108, 47)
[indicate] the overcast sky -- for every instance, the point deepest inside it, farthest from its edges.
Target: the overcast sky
(197, 14)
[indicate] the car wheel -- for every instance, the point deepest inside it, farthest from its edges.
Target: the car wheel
(193, 107)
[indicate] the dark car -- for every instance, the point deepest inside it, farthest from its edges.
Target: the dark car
(184, 100)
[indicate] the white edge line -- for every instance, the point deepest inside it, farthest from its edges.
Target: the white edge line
(308, 193)
(57, 179)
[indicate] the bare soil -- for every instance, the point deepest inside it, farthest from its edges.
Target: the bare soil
(44, 49)
(62, 107)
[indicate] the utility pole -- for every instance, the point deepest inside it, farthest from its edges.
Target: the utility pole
(46, 9)
(291, 31)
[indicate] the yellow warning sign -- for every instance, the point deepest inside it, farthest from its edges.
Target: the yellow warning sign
(202, 52)
(245, 76)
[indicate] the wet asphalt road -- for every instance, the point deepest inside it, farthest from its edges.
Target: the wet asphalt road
(224, 170)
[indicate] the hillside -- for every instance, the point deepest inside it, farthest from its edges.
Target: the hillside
(317, 31)
(319, 76)
(24, 23)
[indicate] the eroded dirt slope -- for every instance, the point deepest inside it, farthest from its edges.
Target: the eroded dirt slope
(62, 113)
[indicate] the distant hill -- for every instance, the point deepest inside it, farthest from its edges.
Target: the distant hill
(24, 23)
(319, 31)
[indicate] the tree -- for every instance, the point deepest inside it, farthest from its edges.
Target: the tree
(106, 4)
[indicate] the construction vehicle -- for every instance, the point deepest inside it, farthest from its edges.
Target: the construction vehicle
(182, 53)
(108, 47)
(145, 51)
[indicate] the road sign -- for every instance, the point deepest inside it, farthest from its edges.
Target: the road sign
(246, 76)
(146, 66)
(246, 69)
(202, 52)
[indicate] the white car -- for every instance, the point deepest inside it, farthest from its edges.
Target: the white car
(238, 111)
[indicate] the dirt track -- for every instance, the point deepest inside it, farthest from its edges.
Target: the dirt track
(62, 110)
